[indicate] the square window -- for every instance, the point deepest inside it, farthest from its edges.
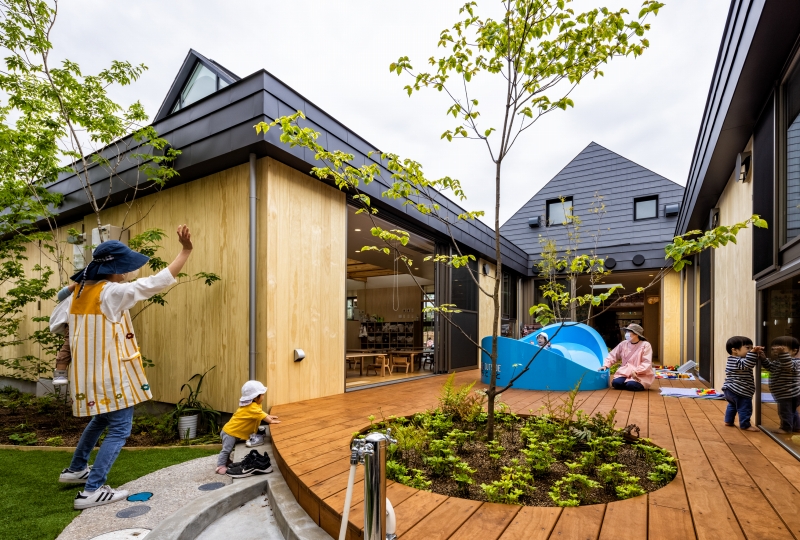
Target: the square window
(557, 211)
(645, 208)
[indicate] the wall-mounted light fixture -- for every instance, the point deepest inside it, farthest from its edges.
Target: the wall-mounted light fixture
(485, 269)
(742, 169)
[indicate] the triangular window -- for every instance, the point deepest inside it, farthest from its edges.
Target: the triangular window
(202, 83)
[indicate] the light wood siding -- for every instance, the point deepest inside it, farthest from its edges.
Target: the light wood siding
(382, 302)
(485, 303)
(302, 252)
(27, 326)
(734, 288)
(671, 319)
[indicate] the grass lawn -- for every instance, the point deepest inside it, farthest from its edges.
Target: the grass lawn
(34, 505)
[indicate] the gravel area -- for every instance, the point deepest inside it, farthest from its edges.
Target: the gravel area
(171, 488)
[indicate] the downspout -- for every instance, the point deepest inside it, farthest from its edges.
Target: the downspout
(682, 318)
(253, 250)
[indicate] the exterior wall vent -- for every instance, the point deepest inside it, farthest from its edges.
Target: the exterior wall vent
(638, 259)
(611, 262)
(535, 222)
(672, 210)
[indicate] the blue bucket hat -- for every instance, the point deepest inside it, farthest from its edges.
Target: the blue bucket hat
(110, 257)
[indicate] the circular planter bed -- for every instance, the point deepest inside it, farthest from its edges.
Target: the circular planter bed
(560, 457)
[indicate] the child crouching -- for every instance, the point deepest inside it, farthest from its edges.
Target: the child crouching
(739, 386)
(244, 424)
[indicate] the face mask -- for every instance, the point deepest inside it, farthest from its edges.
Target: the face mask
(627, 336)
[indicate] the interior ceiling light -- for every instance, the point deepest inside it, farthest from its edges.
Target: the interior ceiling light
(358, 251)
(357, 230)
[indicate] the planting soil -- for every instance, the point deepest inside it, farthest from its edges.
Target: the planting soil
(558, 458)
(26, 420)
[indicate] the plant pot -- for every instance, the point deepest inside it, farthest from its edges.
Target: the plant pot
(187, 424)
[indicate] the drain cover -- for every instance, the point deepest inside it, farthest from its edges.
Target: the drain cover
(212, 486)
(123, 534)
(133, 511)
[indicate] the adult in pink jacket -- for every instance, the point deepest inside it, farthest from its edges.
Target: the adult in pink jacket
(636, 356)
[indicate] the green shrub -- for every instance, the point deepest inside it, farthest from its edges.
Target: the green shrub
(562, 445)
(418, 481)
(514, 482)
(663, 473)
(603, 424)
(495, 450)
(539, 457)
(572, 490)
(606, 447)
(397, 471)
(461, 403)
(631, 489)
(462, 474)
(23, 439)
(54, 441)
(612, 473)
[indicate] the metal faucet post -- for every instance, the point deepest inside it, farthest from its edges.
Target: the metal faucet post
(375, 487)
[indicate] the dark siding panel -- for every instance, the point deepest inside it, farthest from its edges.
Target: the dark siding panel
(764, 188)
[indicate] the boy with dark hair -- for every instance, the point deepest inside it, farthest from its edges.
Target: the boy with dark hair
(739, 386)
(784, 381)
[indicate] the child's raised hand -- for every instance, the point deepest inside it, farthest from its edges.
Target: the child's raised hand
(185, 237)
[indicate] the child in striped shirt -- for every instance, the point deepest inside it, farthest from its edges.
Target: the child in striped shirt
(739, 386)
(784, 381)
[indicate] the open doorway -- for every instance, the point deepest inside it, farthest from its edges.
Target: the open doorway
(642, 308)
(389, 336)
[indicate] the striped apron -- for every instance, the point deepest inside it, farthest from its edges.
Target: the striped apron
(106, 372)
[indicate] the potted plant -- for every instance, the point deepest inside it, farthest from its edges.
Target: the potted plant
(190, 412)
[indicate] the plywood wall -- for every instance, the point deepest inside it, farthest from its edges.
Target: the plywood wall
(485, 303)
(301, 305)
(734, 289)
(671, 319)
(401, 305)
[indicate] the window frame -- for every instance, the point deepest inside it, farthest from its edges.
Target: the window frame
(179, 105)
(557, 200)
(646, 198)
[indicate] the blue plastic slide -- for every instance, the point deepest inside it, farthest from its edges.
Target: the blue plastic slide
(576, 353)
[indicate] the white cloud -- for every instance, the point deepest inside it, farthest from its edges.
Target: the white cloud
(337, 55)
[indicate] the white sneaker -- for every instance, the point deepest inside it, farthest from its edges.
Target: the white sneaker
(104, 495)
(256, 439)
(60, 377)
(74, 477)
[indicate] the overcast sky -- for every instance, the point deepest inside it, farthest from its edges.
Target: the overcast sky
(337, 53)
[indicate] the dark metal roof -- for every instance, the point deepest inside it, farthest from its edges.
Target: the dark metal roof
(217, 133)
(619, 181)
(758, 39)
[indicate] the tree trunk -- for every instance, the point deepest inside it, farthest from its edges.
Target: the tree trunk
(496, 301)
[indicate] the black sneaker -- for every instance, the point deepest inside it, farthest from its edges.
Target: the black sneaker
(253, 454)
(253, 463)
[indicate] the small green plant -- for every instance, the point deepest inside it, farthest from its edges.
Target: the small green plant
(562, 445)
(191, 404)
(494, 449)
(653, 454)
(603, 424)
(612, 473)
(572, 490)
(460, 403)
(539, 457)
(418, 481)
(606, 447)
(397, 472)
(514, 482)
(631, 489)
(663, 473)
(462, 474)
(23, 439)
(459, 438)
(54, 441)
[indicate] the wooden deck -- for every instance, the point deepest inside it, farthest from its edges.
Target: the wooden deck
(731, 484)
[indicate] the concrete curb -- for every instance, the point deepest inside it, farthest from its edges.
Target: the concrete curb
(293, 522)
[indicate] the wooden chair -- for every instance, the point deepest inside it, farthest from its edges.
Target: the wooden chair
(427, 358)
(400, 362)
(379, 366)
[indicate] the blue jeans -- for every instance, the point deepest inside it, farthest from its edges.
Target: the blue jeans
(787, 410)
(738, 404)
(620, 384)
(119, 424)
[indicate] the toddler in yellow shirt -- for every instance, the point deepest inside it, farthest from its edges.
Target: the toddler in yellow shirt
(245, 422)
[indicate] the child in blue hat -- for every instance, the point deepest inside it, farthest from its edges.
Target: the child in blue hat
(107, 377)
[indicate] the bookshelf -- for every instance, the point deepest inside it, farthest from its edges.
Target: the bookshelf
(388, 335)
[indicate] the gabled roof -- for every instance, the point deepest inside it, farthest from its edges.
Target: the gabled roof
(191, 60)
(619, 181)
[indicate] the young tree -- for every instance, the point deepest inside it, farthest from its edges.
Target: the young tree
(540, 50)
(55, 119)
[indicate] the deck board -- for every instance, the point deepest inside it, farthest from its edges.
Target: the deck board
(731, 484)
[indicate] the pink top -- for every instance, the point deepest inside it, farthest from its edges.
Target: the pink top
(636, 358)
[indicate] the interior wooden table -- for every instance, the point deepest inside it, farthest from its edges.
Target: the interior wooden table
(359, 357)
(412, 353)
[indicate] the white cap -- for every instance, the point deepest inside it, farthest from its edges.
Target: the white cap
(250, 391)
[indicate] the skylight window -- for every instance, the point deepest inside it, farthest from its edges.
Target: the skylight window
(202, 83)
